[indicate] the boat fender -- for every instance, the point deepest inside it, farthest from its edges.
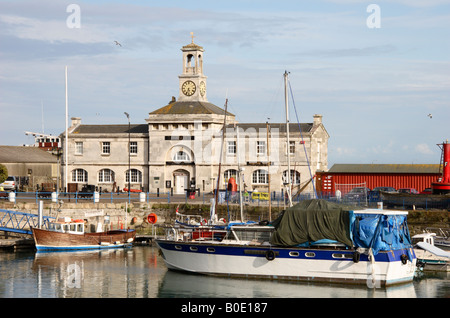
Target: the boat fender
(404, 258)
(270, 255)
(356, 256)
(152, 218)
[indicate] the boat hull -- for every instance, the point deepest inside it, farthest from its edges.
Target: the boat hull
(56, 241)
(300, 264)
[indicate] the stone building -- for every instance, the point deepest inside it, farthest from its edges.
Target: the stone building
(181, 146)
(31, 166)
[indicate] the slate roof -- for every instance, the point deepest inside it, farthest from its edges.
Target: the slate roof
(293, 128)
(190, 107)
(385, 168)
(19, 154)
(111, 129)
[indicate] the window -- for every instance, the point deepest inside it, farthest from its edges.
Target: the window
(259, 177)
(136, 176)
(295, 177)
(78, 148)
(230, 173)
(181, 156)
(260, 148)
(79, 175)
(291, 147)
(106, 148)
(133, 147)
(231, 150)
(106, 176)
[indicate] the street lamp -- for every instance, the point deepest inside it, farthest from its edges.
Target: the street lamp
(129, 165)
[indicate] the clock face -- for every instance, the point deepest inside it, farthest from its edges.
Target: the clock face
(188, 88)
(202, 88)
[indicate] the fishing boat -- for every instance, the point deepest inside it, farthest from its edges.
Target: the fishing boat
(314, 240)
(69, 234)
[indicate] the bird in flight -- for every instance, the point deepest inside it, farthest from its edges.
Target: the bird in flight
(117, 43)
(429, 115)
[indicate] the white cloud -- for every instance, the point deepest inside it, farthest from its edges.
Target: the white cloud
(423, 149)
(52, 30)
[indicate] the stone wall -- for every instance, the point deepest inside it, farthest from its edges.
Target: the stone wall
(136, 214)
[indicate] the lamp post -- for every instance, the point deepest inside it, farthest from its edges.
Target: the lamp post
(129, 164)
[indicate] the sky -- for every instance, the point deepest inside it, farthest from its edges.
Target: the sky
(377, 71)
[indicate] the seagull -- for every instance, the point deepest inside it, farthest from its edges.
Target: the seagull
(117, 43)
(429, 115)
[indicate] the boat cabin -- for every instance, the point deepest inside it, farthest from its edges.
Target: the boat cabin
(67, 225)
(424, 237)
(254, 234)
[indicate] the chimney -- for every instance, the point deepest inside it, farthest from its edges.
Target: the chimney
(76, 121)
(317, 119)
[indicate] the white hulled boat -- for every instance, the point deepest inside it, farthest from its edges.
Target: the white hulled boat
(312, 241)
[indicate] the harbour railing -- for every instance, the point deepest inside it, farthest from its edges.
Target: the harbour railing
(277, 199)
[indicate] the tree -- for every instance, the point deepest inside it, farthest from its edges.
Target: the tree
(3, 173)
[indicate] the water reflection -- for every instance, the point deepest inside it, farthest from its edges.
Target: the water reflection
(201, 286)
(139, 272)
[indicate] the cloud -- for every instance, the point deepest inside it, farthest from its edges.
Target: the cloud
(423, 149)
(51, 31)
(354, 52)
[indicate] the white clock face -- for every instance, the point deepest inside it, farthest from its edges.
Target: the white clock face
(202, 88)
(188, 88)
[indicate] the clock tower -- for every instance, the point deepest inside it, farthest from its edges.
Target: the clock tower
(192, 80)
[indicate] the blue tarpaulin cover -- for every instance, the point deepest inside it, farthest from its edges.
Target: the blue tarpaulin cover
(316, 220)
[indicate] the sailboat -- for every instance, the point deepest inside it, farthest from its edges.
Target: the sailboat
(314, 240)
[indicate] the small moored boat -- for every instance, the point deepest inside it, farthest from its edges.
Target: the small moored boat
(68, 234)
(429, 256)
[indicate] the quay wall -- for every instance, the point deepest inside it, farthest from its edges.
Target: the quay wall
(136, 214)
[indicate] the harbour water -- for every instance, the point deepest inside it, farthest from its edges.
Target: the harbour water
(140, 272)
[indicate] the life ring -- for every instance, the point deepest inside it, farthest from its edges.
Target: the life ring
(270, 255)
(204, 222)
(152, 218)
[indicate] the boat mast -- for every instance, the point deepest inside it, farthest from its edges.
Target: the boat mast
(239, 174)
(220, 159)
(66, 153)
(268, 169)
(288, 188)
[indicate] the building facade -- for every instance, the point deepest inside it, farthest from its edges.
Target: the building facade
(185, 143)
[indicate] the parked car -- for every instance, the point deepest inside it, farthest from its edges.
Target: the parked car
(384, 189)
(10, 184)
(375, 195)
(408, 190)
(357, 194)
(87, 191)
(426, 191)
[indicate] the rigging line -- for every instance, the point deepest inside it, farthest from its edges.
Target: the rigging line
(301, 136)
